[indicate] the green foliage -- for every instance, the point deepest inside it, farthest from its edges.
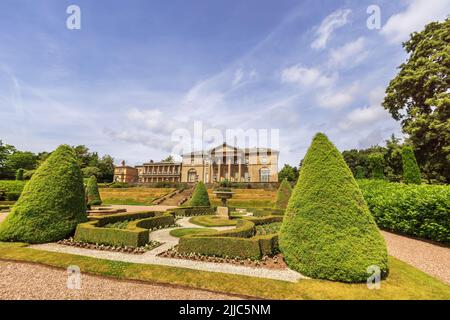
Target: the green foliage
(92, 194)
(359, 163)
(181, 232)
(411, 171)
(212, 221)
(270, 228)
(19, 174)
(28, 174)
(194, 211)
(15, 186)
(135, 234)
(262, 212)
(419, 97)
(52, 202)
(416, 210)
(283, 194)
(91, 171)
(239, 242)
(376, 161)
(328, 231)
(200, 196)
(289, 173)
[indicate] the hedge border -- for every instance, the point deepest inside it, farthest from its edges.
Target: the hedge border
(193, 211)
(136, 234)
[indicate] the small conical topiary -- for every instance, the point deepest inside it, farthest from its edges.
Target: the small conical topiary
(283, 194)
(411, 171)
(328, 231)
(19, 174)
(92, 193)
(200, 196)
(52, 203)
(377, 165)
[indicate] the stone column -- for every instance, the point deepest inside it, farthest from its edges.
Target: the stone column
(239, 170)
(218, 171)
(229, 169)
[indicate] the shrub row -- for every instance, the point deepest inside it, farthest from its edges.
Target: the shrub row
(10, 190)
(253, 248)
(264, 220)
(193, 211)
(238, 242)
(136, 233)
(417, 210)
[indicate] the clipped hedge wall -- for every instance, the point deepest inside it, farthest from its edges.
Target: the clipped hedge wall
(238, 242)
(136, 234)
(13, 188)
(264, 220)
(194, 211)
(417, 210)
(283, 194)
(253, 248)
(262, 212)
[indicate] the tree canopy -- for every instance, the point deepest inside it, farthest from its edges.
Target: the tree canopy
(419, 97)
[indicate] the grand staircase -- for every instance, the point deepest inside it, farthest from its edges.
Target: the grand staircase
(178, 198)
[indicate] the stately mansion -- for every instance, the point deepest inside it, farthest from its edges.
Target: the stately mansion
(215, 165)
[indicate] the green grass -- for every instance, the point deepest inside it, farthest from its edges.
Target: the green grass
(270, 228)
(212, 221)
(185, 231)
(404, 281)
(129, 202)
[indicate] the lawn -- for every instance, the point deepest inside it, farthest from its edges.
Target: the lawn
(404, 281)
(185, 231)
(247, 198)
(212, 221)
(132, 196)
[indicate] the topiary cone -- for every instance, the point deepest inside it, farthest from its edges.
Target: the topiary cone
(200, 196)
(283, 194)
(411, 170)
(52, 203)
(92, 193)
(328, 231)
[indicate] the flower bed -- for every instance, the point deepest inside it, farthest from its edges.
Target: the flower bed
(124, 249)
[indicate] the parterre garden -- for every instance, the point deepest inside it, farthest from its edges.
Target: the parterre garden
(326, 227)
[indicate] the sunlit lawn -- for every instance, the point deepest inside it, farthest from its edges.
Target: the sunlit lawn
(132, 196)
(247, 198)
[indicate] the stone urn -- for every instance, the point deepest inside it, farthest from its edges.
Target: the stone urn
(223, 195)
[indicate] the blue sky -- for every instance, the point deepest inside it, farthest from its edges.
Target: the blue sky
(139, 70)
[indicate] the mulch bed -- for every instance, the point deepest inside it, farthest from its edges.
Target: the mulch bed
(266, 262)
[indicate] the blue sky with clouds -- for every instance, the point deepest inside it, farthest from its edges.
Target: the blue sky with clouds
(139, 70)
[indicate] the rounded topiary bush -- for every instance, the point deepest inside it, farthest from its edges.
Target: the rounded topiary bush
(283, 194)
(411, 171)
(92, 193)
(328, 231)
(200, 196)
(52, 203)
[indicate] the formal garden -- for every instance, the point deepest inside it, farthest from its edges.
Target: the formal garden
(312, 239)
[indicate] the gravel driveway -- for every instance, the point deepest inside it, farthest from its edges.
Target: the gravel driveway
(430, 258)
(32, 281)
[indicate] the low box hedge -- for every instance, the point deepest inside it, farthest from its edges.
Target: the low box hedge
(238, 242)
(262, 212)
(136, 233)
(193, 211)
(417, 210)
(264, 220)
(253, 248)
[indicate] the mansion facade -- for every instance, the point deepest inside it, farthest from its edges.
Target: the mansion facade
(223, 162)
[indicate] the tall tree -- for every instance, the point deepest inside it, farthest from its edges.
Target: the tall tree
(289, 173)
(419, 96)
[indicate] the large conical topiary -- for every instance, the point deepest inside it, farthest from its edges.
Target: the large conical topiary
(200, 196)
(92, 193)
(328, 231)
(411, 171)
(51, 204)
(283, 194)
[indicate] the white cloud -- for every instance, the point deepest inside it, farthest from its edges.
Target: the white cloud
(367, 115)
(349, 54)
(332, 99)
(238, 75)
(334, 21)
(414, 18)
(308, 77)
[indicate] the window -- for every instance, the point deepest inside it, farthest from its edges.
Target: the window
(192, 175)
(264, 175)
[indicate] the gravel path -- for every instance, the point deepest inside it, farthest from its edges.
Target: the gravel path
(430, 258)
(151, 257)
(32, 281)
